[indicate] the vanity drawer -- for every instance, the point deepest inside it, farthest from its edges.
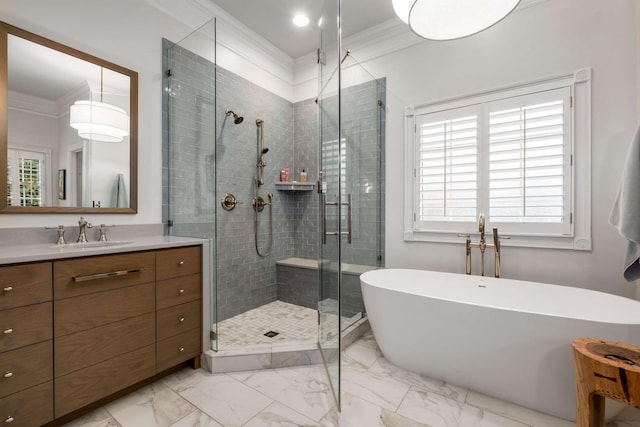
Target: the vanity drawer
(25, 284)
(87, 348)
(85, 386)
(178, 349)
(81, 276)
(28, 408)
(178, 291)
(93, 310)
(178, 319)
(25, 367)
(23, 326)
(178, 262)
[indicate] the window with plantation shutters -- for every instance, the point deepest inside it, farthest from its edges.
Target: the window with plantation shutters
(529, 162)
(447, 179)
(508, 154)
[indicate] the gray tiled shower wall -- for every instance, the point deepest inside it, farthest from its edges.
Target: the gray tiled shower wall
(246, 280)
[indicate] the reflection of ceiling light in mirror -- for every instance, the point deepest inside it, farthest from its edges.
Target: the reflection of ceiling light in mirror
(99, 121)
(300, 20)
(451, 19)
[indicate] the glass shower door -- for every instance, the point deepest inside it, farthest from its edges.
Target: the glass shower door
(189, 103)
(329, 200)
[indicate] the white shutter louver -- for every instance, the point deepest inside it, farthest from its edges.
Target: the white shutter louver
(447, 166)
(527, 168)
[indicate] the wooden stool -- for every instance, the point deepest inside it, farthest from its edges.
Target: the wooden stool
(604, 369)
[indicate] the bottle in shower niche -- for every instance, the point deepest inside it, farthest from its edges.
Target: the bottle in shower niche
(303, 176)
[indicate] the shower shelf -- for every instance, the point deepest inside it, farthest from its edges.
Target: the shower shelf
(295, 186)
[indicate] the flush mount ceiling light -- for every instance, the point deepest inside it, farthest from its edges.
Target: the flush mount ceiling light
(99, 121)
(301, 20)
(451, 19)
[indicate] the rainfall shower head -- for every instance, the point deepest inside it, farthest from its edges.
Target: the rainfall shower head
(237, 119)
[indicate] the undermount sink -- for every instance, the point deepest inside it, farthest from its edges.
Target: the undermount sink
(89, 245)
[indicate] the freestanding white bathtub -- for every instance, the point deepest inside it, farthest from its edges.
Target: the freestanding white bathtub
(505, 338)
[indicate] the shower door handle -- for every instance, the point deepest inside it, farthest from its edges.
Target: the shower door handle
(349, 231)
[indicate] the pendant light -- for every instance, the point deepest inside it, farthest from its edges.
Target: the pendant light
(451, 19)
(99, 121)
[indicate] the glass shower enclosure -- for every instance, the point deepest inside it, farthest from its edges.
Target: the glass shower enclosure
(351, 118)
(189, 148)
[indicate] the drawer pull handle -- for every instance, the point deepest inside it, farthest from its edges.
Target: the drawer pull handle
(8, 331)
(8, 288)
(105, 275)
(181, 319)
(181, 291)
(8, 374)
(8, 419)
(181, 349)
(181, 263)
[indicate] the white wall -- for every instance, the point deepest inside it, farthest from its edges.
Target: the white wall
(548, 38)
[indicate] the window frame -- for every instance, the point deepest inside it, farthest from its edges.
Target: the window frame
(578, 235)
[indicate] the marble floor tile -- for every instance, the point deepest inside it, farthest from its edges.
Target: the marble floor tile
(98, 418)
(516, 412)
(223, 398)
(293, 388)
(385, 368)
(379, 389)
(154, 405)
(278, 415)
(438, 411)
(364, 354)
(358, 412)
(196, 419)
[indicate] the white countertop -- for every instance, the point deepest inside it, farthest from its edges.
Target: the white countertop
(46, 251)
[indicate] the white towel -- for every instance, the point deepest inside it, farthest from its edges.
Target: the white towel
(119, 198)
(625, 215)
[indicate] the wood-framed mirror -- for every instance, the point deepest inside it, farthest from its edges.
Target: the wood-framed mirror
(68, 129)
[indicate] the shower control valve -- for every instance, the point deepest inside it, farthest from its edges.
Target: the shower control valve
(229, 202)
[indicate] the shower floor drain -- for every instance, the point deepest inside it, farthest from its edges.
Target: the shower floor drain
(271, 334)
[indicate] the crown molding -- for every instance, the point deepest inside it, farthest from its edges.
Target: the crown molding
(231, 34)
(374, 42)
(32, 104)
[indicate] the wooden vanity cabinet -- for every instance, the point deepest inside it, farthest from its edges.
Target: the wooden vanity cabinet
(90, 327)
(26, 345)
(179, 302)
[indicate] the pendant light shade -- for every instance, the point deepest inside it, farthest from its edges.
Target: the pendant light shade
(452, 19)
(99, 121)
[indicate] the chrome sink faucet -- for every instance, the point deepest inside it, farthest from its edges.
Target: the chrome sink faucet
(82, 226)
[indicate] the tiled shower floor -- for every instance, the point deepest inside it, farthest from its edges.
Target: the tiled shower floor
(295, 325)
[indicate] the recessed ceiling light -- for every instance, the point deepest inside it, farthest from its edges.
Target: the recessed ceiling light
(300, 20)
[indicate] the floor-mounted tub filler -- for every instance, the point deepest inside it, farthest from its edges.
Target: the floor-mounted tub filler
(506, 338)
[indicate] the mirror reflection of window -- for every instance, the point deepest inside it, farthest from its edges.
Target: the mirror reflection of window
(25, 172)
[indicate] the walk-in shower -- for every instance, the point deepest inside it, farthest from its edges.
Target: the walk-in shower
(273, 278)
